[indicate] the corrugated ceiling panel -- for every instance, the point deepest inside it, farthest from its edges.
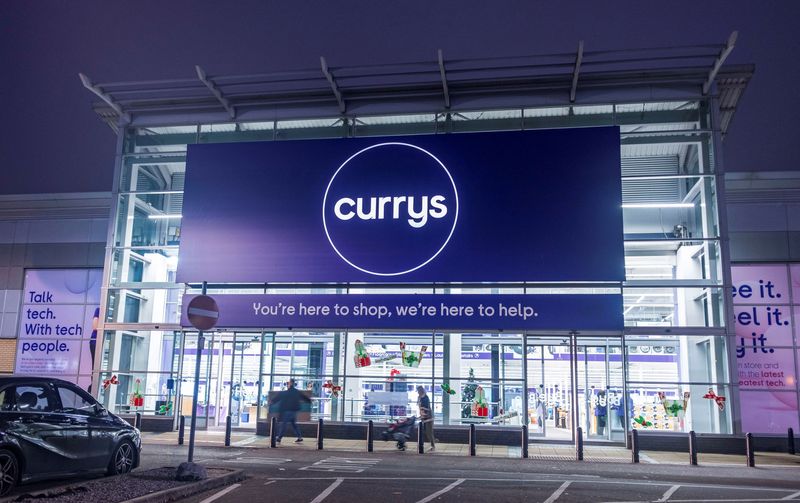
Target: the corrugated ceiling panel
(650, 191)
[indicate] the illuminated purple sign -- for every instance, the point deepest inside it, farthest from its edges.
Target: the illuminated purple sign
(510, 206)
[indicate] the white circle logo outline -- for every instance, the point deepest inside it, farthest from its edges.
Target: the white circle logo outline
(325, 200)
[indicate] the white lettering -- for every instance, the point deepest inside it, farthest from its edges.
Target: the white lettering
(418, 218)
(337, 209)
(439, 209)
(360, 209)
(377, 208)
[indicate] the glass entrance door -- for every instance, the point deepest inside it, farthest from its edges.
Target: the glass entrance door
(229, 378)
(600, 390)
(561, 397)
(238, 382)
(549, 387)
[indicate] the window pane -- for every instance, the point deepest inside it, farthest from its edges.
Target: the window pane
(34, 399)
(73, 403)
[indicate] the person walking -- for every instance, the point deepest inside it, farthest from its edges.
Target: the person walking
(288, 402)
(426, 415)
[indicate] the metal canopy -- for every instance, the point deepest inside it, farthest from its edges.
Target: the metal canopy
(618, 76)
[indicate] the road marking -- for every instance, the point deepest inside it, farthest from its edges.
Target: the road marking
(647, 459)
(441, 491)
(269, 482)
(626, 482)
(349, 465)
(558, 492)
(247, 441)
(324, 494)
(220, 494)
(725, 500)
(792, 496)
(669, 492)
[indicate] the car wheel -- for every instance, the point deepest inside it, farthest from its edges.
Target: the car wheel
(9, 471)
(122, 459)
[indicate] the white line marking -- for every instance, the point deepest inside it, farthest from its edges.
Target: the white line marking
(792, 496)
(669, 492)
(725, 500)
(558, 492)
(246, 441)
(324, 494)
(270, 482)
(441, 491)
(523, 480)
(221, 493)
(647, 459)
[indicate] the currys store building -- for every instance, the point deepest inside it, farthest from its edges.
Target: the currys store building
(536, 241)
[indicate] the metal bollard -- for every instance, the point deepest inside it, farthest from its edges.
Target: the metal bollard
(579, 443)
(137, 420)
(319, 434)
(524, 441)
(692, 448)
(273, 430)
(472, 440)
(228, 430)
(750, 449)
(370, 435)
(790, 444)
(634, 446)
(181, 429)
(421, 438)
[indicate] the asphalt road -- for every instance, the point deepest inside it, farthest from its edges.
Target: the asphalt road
(290, 474)
(293, 475)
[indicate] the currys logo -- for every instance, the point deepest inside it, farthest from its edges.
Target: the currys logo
(390, 209)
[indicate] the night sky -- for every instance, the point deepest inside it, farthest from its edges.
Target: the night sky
(52, 141)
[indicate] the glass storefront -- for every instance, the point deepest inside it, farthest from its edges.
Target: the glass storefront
(608, 384)
(239, 370)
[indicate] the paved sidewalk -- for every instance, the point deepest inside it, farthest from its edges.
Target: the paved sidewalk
(536, 451)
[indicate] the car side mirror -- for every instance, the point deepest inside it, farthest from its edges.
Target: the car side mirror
(100, 411)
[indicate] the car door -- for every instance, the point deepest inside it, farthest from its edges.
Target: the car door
(29, 422)
(72, 415)
(90, 427)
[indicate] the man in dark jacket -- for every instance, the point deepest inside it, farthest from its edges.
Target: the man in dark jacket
(288, 404)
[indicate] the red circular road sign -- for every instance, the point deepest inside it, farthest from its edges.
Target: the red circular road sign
(203, 312)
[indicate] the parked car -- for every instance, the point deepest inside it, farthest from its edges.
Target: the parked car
(51, 428)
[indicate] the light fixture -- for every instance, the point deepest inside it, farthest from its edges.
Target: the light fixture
(658, 205)
(163, 216)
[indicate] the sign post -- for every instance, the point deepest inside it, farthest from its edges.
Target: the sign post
(203, 314)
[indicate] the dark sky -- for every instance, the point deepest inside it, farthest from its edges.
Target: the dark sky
(51, 140)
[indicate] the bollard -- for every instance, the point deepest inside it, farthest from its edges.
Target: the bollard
(524, 441)
(319, 434)
(750, 449)
(228, 430)
(472, 440)
(370, 435)
(181, 429)
(137, 420)
(790, 444)
(692, 448)
(634, 446)
(421, 438)
(273, 430)
(579, 443)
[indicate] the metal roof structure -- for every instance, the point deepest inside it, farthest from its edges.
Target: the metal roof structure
(435, 86)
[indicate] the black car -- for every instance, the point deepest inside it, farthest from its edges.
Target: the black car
(51, 428)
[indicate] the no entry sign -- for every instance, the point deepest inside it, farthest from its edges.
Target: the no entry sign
(203, 312)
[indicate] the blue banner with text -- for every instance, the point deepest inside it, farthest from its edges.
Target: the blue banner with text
(423, 312)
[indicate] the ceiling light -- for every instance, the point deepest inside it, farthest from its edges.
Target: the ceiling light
(658, 205)
(163, 217)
